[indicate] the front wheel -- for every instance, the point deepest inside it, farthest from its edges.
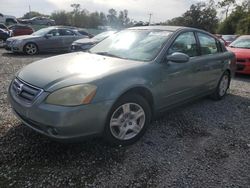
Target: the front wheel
(127, 120)
(30, 49)
(222, 87)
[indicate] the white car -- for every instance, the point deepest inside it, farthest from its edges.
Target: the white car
(7, 19)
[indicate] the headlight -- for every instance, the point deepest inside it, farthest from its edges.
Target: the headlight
(16, 42)
(72, 95)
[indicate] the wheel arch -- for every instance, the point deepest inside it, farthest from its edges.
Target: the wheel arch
(142, 91)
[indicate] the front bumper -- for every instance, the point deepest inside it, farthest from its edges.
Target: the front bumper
(243, 68)
(61, 123)
(13, 47)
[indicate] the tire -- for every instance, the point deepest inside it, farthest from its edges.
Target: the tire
(222, 87)
(127, 127)
(30, 49)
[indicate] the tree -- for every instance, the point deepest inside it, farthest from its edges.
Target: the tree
(200, 15)
(32, 14)
(236, 22)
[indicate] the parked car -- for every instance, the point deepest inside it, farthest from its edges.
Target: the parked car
(39, 20)
(4, 27)
(87, 43)
(241, 48)
(7, 19)
(229, 38)
(121, 84)
(20, 29)
(221, 39)
(51, 39)
(84, 32)
(4, 35)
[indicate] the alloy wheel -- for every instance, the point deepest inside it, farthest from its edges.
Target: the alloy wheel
(127, 121)
(223, 85)
(31, 49)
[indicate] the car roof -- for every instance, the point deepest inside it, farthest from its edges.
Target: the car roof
(245, 36)
(167, 28)
(159, 27)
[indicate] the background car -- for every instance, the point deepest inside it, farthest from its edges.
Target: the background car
(4, 35)
(39, 20)
(241, 48)
(51, 39)
(8, 19)
(85, 44)
(229, 38)
(20, 29)
(116, 88)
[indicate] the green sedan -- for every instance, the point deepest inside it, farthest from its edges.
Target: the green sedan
(117, 87)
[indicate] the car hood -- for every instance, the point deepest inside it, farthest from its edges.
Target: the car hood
(74, 68)
(86, 41)
(240, 52)
(23, 37)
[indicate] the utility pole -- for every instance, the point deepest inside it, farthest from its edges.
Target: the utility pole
(150, 16)
(29, 12)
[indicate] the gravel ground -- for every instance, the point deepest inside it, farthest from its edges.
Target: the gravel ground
(203, 144)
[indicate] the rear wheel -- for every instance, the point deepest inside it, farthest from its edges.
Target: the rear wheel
(222, 87)
(30, 49)
(127, 120)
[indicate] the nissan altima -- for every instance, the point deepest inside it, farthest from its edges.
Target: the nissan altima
(124, 81)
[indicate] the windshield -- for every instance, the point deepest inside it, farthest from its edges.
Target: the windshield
(241, 43)
(42, 32)
(104, 35)
(141, 45)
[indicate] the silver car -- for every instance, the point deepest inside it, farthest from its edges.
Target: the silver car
(121, 84)
(51, 39)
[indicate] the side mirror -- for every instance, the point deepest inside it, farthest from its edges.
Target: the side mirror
(178, 57)
(48, 35)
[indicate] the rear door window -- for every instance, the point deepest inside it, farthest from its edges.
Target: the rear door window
(208, 44)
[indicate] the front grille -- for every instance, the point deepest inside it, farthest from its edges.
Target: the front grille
(241, 60)
(25, 91)
(8, 42)
(240, 67)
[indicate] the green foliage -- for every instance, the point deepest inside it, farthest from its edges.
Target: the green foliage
(32, 14)
(237, 22)
(200, 15)
(82, 18)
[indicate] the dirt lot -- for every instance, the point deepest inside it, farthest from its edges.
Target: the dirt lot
(204, 144)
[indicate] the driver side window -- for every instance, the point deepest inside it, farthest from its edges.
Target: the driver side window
(54, 32)
(185, 43)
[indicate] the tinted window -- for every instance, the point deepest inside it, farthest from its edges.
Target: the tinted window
(54, 32)
(66, 32)
(208, 44)
(185, 43)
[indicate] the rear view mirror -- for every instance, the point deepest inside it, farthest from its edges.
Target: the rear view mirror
(178, 57)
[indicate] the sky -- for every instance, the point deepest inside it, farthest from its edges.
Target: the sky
(139, 10)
